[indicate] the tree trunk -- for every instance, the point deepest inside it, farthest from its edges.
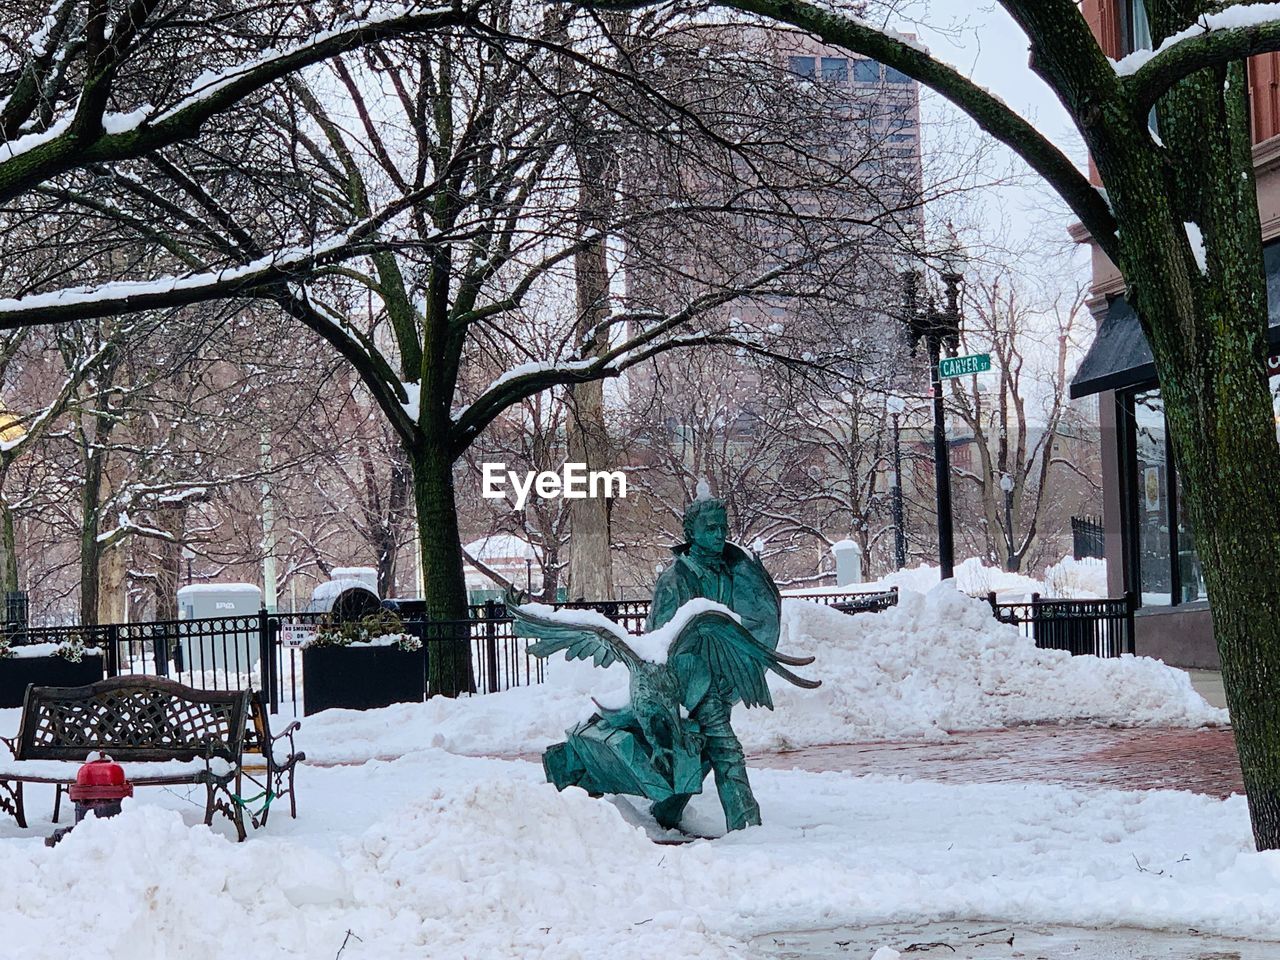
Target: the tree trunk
(112, 573)
(449, 658)
(550, 571)
(388, 545)
(90, 549)
(590, 542)
(9, 572)
(169, 567)
(1207, 330)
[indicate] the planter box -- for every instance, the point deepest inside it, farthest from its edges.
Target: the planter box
(16, 673)
(361, 678)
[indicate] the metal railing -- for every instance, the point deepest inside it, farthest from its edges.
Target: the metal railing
(1101, 628)
(252, 652)
(1088, 538)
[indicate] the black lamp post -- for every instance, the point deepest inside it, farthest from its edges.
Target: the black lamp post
(896, 406)
(938, 328)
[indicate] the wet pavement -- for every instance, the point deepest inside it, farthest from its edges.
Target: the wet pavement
(982, 940)
(1153, 758)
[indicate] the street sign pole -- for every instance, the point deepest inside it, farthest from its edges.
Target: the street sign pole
(941, 465)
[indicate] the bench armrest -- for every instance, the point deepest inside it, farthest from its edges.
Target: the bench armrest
(293, 756)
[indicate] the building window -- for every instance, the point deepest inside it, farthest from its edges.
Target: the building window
(806, 67)
(1189, 572)
(1136, 35)
(895, 76)
(1151, 462)
(835, 69)
(1135, 26)
(866, 71)
(1165, 561)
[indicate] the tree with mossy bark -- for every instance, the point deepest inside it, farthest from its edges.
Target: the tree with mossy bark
(1178, 216)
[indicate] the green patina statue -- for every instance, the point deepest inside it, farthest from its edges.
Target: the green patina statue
(710, 639)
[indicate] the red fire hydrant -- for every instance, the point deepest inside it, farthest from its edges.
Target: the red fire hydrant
(100, 786)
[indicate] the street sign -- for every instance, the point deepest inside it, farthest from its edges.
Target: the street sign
(962, 366)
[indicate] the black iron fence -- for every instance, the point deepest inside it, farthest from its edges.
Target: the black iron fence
(856, 602)
(264, 651)
(1103, 628)
(1088, 539)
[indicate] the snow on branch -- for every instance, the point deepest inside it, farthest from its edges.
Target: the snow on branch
(131, 296)
(37, 158)
(1215, 38)
(125, 526)
(214, 85)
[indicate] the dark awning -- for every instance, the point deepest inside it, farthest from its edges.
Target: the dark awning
(1121, 357)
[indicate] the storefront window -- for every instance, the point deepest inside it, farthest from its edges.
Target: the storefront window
(1190, 574)
(1151, 461)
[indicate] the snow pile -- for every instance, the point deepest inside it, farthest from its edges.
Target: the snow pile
(940, 662)
(1069, 577)
(932, 664)
(972, 576)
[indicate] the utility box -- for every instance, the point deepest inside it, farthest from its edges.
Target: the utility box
(231, 645)
(848, 562)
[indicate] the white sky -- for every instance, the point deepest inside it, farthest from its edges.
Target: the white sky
(982, 41)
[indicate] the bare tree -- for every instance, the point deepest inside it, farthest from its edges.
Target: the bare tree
(1018, 476)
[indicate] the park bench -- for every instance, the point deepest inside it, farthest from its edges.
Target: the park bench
(161, 732)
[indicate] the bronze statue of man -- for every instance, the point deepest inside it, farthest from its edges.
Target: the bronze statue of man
(675, 728)
(708, 566)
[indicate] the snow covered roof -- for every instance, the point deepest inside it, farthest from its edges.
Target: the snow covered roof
(352, 573)
(192, 589)
(501, 546)
(332, 589)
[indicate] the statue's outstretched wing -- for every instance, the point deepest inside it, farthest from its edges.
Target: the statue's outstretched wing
(714, 648)
(579, 641)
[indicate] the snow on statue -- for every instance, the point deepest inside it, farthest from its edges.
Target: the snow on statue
(712, 633)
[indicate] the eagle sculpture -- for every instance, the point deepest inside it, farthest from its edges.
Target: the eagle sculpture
(695, 667)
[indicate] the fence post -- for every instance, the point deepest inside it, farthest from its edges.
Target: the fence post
(160, 648)
(267, 659)
(991, 599)
(113, 650)
(1130, 640)
(491, 643)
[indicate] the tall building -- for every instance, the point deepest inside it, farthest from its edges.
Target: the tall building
(831, 192)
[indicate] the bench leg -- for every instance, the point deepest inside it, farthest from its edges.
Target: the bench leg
(228, 807)
(57, 800)
(11, 800)
(281, 780)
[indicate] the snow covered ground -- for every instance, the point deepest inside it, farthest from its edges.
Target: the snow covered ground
(934, 663)
(438, 854)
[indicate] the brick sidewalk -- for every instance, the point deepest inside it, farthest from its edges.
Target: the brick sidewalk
(1202, 760)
